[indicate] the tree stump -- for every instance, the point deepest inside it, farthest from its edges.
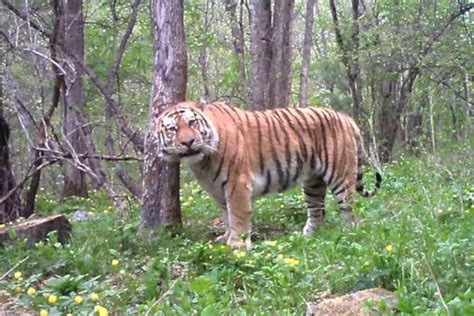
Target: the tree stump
(36, 230)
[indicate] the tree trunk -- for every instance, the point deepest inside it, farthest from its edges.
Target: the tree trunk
(161, 180)
(279, 83)
(307, 45)
(350, 52)
(238, 43)
(355, 65)
(56, 39)
(10, 210)
(394, 99)
(260, 40)
(203, 60)
(75, 179)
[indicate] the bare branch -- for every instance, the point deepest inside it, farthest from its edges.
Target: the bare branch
(31, 172)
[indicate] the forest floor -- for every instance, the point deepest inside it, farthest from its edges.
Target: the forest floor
(414, 238)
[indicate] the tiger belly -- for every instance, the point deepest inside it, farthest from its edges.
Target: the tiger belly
(269, 183)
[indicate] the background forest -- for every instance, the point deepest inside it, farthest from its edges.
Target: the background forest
(76, 80)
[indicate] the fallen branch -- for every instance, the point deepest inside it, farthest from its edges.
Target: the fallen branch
(14, 267)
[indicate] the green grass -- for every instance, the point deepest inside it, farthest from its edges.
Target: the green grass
(424, 213)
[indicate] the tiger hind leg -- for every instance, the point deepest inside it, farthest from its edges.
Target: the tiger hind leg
(345, 199)
(314, 195)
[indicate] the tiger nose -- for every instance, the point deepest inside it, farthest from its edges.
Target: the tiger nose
(187, 142)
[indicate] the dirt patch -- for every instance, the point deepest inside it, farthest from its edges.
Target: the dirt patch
(354, 304)
(8, 306)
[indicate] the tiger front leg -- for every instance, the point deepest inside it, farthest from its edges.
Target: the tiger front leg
(239, 207)
(225, 217)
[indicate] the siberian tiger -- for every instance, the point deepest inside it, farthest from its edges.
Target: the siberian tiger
(237, 155)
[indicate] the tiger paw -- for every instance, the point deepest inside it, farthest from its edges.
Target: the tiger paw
(308, 230)
(240, 244)
(222, 239)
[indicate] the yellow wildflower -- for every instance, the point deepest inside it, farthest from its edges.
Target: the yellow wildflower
(389, 248)
(115, 262)
(95, 297)
(18, 275)
(31, 291)
(271, 243)
(102, 311)
(52, 299)
(291, 262)
(239, 254)
(44, 312)
(18, 289)
(268, 256)
(78, 299)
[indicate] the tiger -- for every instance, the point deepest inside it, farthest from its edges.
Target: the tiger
(237, 155)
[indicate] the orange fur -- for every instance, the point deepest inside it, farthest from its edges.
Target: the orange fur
(237, 155)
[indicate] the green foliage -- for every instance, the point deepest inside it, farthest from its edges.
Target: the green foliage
(414, 237)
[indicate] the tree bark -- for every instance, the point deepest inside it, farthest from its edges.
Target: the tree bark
(56, 38)
(271, 53)
(74, 99)
(261, 35)
(279, 83)
(307, 45)
(161, 180)
(10, 209)
(349, 55)
(238, 43)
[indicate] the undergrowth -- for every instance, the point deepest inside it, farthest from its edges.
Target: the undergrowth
(414, 238)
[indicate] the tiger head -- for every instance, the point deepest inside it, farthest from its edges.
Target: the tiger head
(184, 133)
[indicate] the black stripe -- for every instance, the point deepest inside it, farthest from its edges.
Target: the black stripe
(225, 107)
(247, 119)
(312, 161)
(341, 165)
(323, 137)
(338, 189)
(308, 128)
(260, 153)
(334, 143)
(272, 124)
(315, 148)
(272, 147)
(313, 195)
(221, 162)
(232, 161)
(311, 134)
(286, 183)
(268, 182)
(300, 138)
(299, 166)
